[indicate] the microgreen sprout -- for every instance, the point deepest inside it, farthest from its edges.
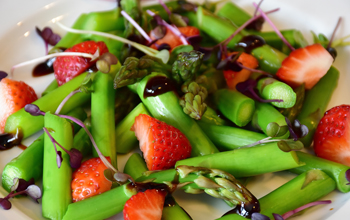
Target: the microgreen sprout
(21, 187)
(274, 131)
(48, 36)
(263, 14)
(143, 48)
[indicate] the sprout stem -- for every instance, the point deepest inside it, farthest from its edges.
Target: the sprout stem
(143, 48)
(263, 14)
(136, 25)
(59, 108)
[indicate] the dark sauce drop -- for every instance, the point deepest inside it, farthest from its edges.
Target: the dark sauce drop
(9, 140)
(157, 86)
(250, 42)
(245, 210)
(332, 52)
(43, 68)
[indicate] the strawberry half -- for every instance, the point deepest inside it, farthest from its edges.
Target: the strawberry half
(162, 144)
(89, 179)
(233, 77)
(66, 68)
(172, 40)
(332, 137)
(14, 96)
(146, 205)
(305, 65)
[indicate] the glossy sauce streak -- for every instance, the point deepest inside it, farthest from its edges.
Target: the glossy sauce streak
(250, 42)
(43, 68)
(9, 140)
(157, 86)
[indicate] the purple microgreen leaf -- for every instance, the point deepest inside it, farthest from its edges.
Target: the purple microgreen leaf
(110, 58)
(277, 216)
(347, 176)
(159, 32)
(195, 41)
(259, 216)
(48, 36)
(5, 204)
(290, 213)
(33, 110)
(263, 14)
(136, 25)
(75, 158)
(109, 175)
(34, 192)
(21, 184)
(59, 158)
(297, 130)
(3, 75)
(173, 29)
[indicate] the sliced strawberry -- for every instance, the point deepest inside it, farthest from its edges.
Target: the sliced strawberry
(172, 40)
(233, 78)
(14, 95)
(305, 65)
(66, 68)
(89, 179)
(162, 144)
(332, 137)
(146, 205)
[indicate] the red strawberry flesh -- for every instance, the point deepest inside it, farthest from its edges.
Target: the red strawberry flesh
(89, 179)
(146, 205)
(305, 65)
(68, 67)
(332, 137)
(162, 144)
(14, 96)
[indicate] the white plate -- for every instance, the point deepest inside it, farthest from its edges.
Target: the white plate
(19, 42)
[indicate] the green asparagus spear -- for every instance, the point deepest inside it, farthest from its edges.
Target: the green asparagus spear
(52, 86)
(229, 138)
(292, 195)
(29, 164)
(235, 106)
(135, 166)
(270, 88)
(102, 116)
(30, 124)
(123, 135)
(247, 161)
(334, 170)
(316, 101)
(165, 107)
(100, 206)
(56, 181)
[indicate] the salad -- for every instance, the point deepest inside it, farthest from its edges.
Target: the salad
(194, 203)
